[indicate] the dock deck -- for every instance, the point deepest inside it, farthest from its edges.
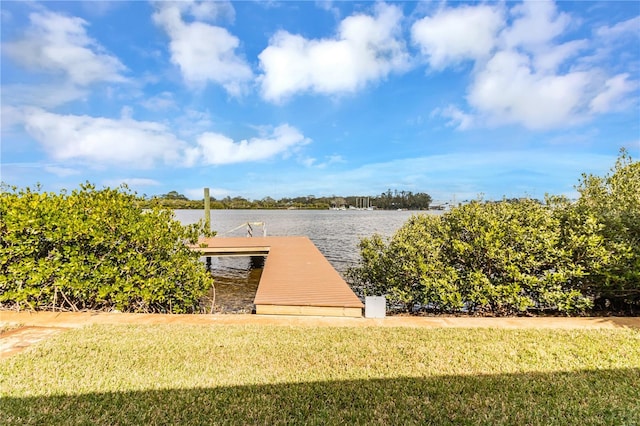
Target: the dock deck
(296, 280)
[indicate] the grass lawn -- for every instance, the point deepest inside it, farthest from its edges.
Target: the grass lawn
(326, 375)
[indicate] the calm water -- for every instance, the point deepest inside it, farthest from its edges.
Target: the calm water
(335, 233)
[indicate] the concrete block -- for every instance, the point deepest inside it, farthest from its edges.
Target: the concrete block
(375, 306)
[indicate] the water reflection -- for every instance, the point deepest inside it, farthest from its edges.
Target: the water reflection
(236, 283)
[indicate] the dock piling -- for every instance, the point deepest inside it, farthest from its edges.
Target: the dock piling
(207, 219)
(207, 210)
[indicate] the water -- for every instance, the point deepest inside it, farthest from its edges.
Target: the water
(335, 233)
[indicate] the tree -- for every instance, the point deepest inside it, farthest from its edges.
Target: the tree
(174, 195)
(267, 203)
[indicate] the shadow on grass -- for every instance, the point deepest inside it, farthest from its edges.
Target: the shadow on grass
(607, 397)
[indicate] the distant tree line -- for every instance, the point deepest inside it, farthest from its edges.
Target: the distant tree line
(402, 200)
(389, 200)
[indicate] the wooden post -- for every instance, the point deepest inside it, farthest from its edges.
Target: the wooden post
(207, 209)
(207, 219)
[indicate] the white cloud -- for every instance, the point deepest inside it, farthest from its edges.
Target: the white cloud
(328, 160)
(61, 171)
(334, 159)
(59, 44)
(536, 24)
(217, 149)
(614, 91)
(455, 35)
(308, 161)
(161, 102)
(208, 10)
(366, 49)
(329, 6)
(522, 74)
(508, 91)
(133, 144)
(42, 95)
(535, 27)
(205, 53)
(457, 118)
(104, 141)
(630, 26)
(550, 58)
(11, 117)
(192, 123)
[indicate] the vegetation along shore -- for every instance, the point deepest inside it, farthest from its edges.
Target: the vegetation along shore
(98, 249)
(389, 200)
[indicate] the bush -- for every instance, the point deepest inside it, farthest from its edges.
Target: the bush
(502, 258)
(613, 202)
(96, 250)
(516, 256)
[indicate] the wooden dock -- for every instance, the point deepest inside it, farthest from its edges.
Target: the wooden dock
(296, 280)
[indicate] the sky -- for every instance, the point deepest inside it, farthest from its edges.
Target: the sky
(461, 100)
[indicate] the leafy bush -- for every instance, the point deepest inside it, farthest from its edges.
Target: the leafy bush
(95, 249)
(613, 202)
(502, 258)
(515, 256)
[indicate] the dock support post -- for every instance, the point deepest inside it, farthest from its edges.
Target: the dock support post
(207, 210)
(207, 219)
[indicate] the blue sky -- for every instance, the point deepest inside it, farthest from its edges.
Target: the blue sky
(318, 98)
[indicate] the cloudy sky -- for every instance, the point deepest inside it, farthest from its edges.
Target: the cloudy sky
(318, 98)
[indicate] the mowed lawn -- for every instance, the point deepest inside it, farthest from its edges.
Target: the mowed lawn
(269, 375)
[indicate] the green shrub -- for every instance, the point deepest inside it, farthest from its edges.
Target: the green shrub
(409, 268)
(96, 250)
(502, 258)
(613, 202)
(516, 256)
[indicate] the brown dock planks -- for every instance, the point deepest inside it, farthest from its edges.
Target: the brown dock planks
(297, 279)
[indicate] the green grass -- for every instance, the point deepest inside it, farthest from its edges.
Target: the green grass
(326, 375)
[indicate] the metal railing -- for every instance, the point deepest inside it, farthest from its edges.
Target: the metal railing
(249, 226)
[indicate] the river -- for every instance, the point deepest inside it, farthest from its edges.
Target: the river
(336, 233)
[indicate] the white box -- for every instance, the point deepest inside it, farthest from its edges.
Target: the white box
(375, 306)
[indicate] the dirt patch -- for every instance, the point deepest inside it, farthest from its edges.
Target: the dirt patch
(18, 339)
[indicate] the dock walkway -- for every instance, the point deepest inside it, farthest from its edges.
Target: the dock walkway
(296, 280)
